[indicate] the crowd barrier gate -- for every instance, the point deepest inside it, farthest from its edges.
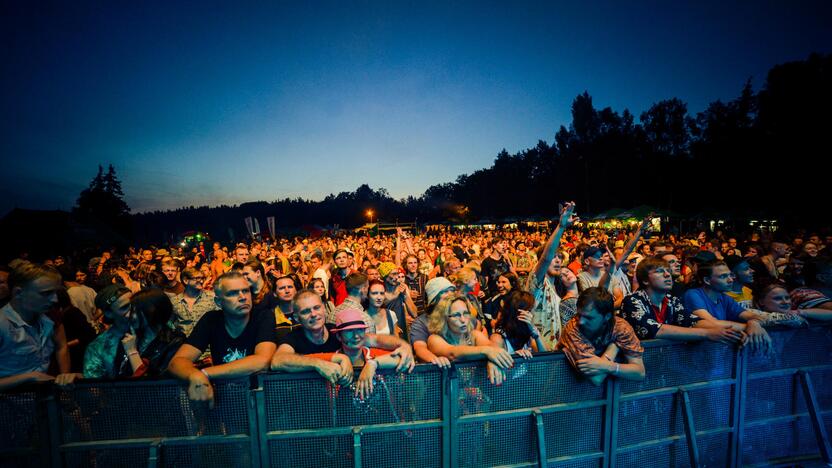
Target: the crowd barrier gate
(704, 404)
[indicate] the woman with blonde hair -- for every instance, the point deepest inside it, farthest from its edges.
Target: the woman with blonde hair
(453, 336)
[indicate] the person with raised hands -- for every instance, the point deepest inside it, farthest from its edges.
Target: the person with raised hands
(515, 330)
(541, 282)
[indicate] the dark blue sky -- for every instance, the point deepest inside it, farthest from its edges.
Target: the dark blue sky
(213, 103)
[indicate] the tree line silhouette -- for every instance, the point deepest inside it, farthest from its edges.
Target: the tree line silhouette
(762, 153)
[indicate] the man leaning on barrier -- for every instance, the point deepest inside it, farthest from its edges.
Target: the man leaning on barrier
(27, 335)
(592, 338)
(315, 336)
(241, 343)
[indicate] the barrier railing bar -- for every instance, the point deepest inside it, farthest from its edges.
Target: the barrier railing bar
(785, 418)
(789, 461)
(690, 427)
(153, 454)
(356, 447)
(788, 371)
(145, 441)
(739, 409)
(815, 414)
(672, 390)
(541, 438)
(611, 431)
(670, 439)
(553, 408)
(20, 451)
(346, 430)
(260, 406)
(578, 457)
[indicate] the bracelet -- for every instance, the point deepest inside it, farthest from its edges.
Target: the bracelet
(206, 374)
(132, 353)
(608, 358)
(617, 368)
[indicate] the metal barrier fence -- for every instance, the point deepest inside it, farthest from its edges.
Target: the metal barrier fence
(702, 404)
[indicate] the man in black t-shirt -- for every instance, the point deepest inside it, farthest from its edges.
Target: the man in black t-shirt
(314, 336)
(495, 265)
(241, 343)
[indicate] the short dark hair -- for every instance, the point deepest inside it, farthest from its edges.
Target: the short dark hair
(599, 297)
(707, 269)
(355, 281)
(646, 266)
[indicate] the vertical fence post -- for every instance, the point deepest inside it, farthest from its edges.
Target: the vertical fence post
(356, 447)
(739, 408)
(541, 438)
(446, 417)
(815, 415)
(613, 393)
(453, 402)
(257, 423)
(153, 453)
(690, 427)
(53, 419)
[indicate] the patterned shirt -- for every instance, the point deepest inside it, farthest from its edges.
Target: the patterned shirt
(185, 316)
(102, 354)
(640, 313)
(546, 311)
(576, 346)
(24, 348)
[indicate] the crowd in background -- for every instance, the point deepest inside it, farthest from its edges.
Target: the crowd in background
(332, 304)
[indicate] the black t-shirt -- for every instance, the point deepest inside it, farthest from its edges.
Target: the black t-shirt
(300, 343)
(210, 331)
(491, 271)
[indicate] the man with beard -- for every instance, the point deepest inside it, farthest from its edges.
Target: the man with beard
(587, 338)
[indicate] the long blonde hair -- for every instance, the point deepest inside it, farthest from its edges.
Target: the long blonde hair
(438, 320)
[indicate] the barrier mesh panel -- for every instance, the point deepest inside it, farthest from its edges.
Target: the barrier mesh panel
(773, 396)
(528, 384)
(649, 419)
(314, 404)
(420, 447)
(666, 456)
(671, 366)
(822, 383)
(500, 442)
(714, 450)
(662, 416)
(577, 464)
(769, 441)
(711, 407)
(107, 458)
(99, 411)
(564, 436)
(312, 452)
(18, 420)
(790, 350)
(207, 455)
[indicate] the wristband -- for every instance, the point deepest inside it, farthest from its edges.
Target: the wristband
(132, 353)
(617, 368)
(205, 373)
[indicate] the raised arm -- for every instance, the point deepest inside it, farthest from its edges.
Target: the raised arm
(551, 248)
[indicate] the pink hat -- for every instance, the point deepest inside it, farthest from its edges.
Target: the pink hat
(349, 319)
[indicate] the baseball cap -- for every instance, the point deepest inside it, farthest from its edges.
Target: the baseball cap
(704, 256)
(108, 295)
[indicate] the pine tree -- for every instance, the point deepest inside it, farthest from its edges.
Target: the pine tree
(103, 202)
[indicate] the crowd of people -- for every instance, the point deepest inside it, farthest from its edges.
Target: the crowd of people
(332, 304)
